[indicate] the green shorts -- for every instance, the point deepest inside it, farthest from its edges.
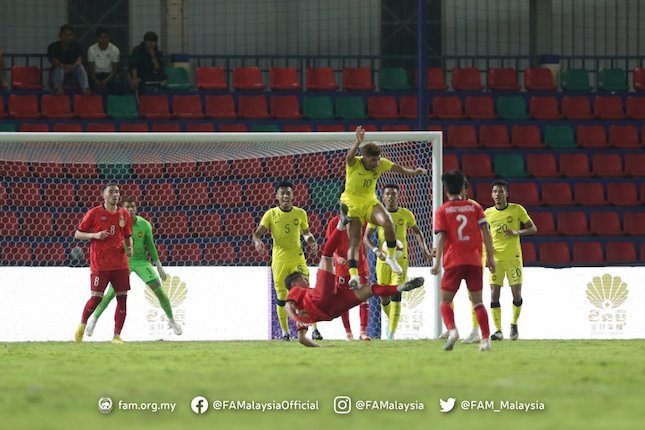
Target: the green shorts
(145, 271)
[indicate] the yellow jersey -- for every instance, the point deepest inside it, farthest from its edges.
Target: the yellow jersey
(500, 220)
(286, 228)
(403, 219)
(360, 182)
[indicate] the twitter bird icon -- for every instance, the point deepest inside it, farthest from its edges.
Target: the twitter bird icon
(447, 405)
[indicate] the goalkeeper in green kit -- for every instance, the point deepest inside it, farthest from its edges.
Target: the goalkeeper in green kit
(140, 264)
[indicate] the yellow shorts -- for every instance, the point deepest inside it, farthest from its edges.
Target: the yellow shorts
(510, 269)
(360, 207)
(385, 275)
(280, 270)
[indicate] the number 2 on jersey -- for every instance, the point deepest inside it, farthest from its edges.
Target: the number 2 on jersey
(463, 221)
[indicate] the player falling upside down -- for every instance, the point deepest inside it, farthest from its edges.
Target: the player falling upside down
(361, 174)
(144, 245)
(327, 300)
(403, 219)
(109, 230)
(460, 226)
(286, 223)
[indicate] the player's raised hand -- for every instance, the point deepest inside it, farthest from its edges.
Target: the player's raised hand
(360, 134)
(101, 235)
(428, 255)
(129, 251)
(435, 269)
(420, 171)
(259, 247)
(313, 247)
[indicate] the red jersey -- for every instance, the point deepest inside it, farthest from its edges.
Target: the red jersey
(109, 253)
(342, 270)
(304, 300)
(460, 220)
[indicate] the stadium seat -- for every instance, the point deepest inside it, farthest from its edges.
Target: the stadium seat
(509, 166)
(620, 252)
(147, 167)
(622, 194)
(350, 107)
(154, 107)
(25, 194)
(297, 128)
(612, 80)
(249, 168)
(639, 81)
(382, 107)
(200, 127)
(330, 128)
(305, 162)
(623, 136)
(16, 169)
(89, 107)
(642, 193)
(9, 225)
(227, 194)
(285, 107)
(253, 107)
(466, 79)
(608, 107)
(544, 222)
(220, 107)
(544, 108)
(3, 195)
(450, 162)
(634, 223)
(23, 107)
(187, 253)
(233, 128)
(483, 194)
(605, 224)
(65, 223)
(40, 225)
(171, 224)
(131, 189)
(589, 194)
(407, 107)
(39, 127)
(541, 166)
(89, 194)
(211, 79)
(526, 136)
(358, 79)
(511, 107)
(247, 79)
(62, 127)
(213, 169)
(187, 107)
(284, 78)
(529, 255)
(574, 165)
(50, 254)
(588, 253)
(219, 253)
(576, 107)
(436, 80)
(301, 195)
(494, 136)
(502, 79)
(555, 254)
(259, 194)
(159, 194)
(177, 79)
(320, 79)
(635, 165)
(240, 224)
(573, 223)
(480, 107)
(122, 107)
(3, 114)
(575, 80)
(559, 137)
(538, 79)
(395, 127)
(393, 78)
(134, 127)
(318, 107)
(280, 166)
(607, 165)
(166, 127)
(636, 107)
(84, 167)
(206, 224)
(461, 136)
(16, 253)
(557, 194)
(477, 166)
(56, 107)
(525, 193)
(26, 78)
(447, 107)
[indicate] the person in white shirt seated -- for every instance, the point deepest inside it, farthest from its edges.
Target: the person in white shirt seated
(103, 60)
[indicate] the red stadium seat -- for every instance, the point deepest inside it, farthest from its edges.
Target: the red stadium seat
(575, 165)
(130, 189)
(321, 79)
(526, 136)
(450, 162)
(134, 127)
(529, 256)
(184, 169)
(301, 195)
(219, 253)
(227, 193)
(541, 166)
(576, 107)
(39, 127)
(206, 224)
(589, 194)
(187, 107)
(635, 164)
(588, 253)
(591, 136)
(557, 194)
(608, 107)
(160, 194)
(366, 127)
(9, 225)
(436, 80)
(253, 107)
(166, 127)
(259, 194)
(538, 79)
(25, 194)
(382, 107)
(101, 127)
(189, 253)
(247, 79)
(573, 223)
(462, 136)
(38, 224)
(297, 128)
(639, 82)
(466, 79)
(448, 107)
(634, 223)
(84, 167)
(240, 224)
(622, 194)
(220, 107)
(555, 254)
(50, 254)
(285, 107)
(525, 193)
(16, 253)
(154, 107)
(65, 223)
(60, 127)
(544, 108)
(620, 252)
(494, 136)
(305, 163)
(89, 195)
(605, 224)
(408, 107)
(283, 165)
(26, 78)
(503, 79)
(607, 165)
(483, 194)
(248, 168)
(171, 224)
(53, 169)
(623, 136)
(60, 194)
(636, 107)
(3, 113)
(56, 107)
(200, 127)
(23, 107)
(544, 222)
(3, 195)
(480, 107)
(358, 79)
(212, 169)
(233, 128)
(211, 79)
(330, 128)
(88, 107)
(395, 127)
(477, 166)
(643, 194)
(284, 78)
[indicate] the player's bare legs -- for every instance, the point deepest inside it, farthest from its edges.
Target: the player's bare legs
(381, 217)
(517, 308)
(496, 311)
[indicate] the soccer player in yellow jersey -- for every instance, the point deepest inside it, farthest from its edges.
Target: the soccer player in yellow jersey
(286, 223)
(403, 220)
(508, 221)
(361, 174)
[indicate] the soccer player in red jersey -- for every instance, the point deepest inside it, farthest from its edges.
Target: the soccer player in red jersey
(109, 230)
(325, 302)
(341, 269)
(460, 225)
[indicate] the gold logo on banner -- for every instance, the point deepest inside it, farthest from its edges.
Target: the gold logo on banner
(607, 294)
(176, 292)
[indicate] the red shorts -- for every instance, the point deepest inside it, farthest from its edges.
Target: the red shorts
(329, 298)
(120, 280)
(471, 274)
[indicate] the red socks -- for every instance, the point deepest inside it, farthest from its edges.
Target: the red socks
(449, 316)
(90, 306)
(384, 290)
(364, 311)
(331, 243)
(345, 317)
(482, 319)
(119, 315)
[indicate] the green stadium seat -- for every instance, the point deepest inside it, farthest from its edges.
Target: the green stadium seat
(7, 128)
(265, 128)
(509, 166)
(575, 80)
(559, 137)
(324, 194)
(512, 107)
(395, 78)
(114, 171)
(122, 107)
(350, 107)
(612, 80)
(318, 107)
(177, 79)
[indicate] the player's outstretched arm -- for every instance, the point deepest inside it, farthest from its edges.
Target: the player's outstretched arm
(528, 230)
(149, 242)
(488, 244)
(368, 243)
(350, 159)
(418, 234)
(81, 235)
(408, 172)
(127, 244)
(304, 340)
(441, 241)
(257, 241)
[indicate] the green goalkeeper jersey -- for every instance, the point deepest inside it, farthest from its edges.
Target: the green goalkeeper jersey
(143, 241)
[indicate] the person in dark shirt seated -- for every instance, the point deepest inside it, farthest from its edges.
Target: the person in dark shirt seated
(65, 58)
(146, 64)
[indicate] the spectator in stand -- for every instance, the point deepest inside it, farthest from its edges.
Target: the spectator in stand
(146, 67)
(103, 61)
(65, 58)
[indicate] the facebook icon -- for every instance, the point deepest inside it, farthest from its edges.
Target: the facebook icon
(199, 405)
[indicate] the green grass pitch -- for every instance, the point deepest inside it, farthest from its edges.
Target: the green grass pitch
(583, 384)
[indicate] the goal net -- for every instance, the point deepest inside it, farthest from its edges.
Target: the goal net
(204, 195)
